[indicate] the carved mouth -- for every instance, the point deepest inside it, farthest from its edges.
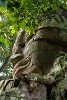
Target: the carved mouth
(23, 67)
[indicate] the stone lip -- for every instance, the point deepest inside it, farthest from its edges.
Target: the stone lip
(15, 58)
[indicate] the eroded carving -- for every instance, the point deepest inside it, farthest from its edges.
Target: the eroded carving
(39, 52)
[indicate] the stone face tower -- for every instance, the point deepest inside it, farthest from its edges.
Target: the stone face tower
(37, 66)
(40, 55)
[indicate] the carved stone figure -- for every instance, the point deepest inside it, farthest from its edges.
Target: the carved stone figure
(41, 58)
(38, 65)
(39, 52)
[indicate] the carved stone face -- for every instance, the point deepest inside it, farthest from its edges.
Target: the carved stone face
(42, 50)
(39, 52)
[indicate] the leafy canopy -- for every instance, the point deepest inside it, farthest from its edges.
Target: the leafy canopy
(28, 14)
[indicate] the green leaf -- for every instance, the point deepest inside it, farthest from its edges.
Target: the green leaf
(2, 44)
(12, 29)
(22, 24)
